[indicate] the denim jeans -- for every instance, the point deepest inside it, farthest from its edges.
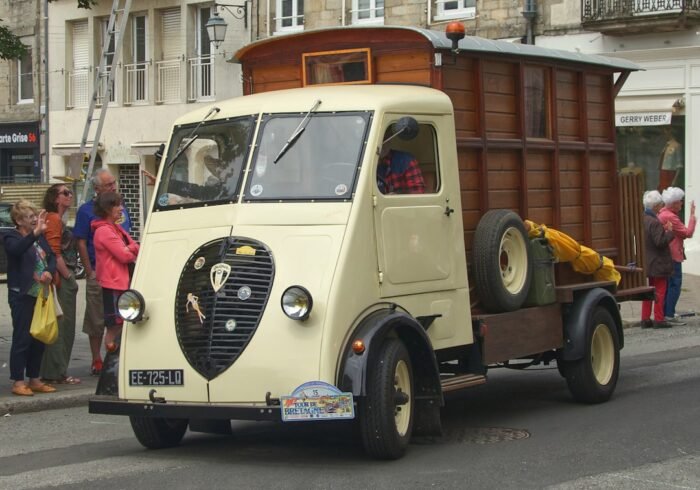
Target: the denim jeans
(25, 351)
(673, 292)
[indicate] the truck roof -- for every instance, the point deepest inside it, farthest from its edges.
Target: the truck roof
(384, 98)
(473, 44)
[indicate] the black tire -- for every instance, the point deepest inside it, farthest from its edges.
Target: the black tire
(592, 379)
(386, 421)
(158, 433)
(501, 261)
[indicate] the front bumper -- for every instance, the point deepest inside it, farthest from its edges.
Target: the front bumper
(112, 405)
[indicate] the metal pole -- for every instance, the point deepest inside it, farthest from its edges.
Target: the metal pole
(46, 92)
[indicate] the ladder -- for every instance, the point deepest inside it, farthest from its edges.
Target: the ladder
(114, 32)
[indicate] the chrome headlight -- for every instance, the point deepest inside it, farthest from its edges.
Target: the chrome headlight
(297, 303)
(131, 306)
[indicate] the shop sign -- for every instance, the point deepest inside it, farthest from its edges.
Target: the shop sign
(643, 119)
(19, 136)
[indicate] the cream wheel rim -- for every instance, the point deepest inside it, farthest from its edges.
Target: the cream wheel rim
(513, 260)
(402, 383)
(602, 354)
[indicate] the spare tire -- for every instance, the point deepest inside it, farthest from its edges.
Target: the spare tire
(501, 261)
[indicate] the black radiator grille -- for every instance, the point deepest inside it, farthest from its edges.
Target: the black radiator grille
(208, 345)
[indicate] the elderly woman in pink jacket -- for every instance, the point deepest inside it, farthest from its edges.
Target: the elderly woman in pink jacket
(670, 213)
(115, 252)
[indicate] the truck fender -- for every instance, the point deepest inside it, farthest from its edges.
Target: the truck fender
(578, 316)
(108, 383)
(372, 330)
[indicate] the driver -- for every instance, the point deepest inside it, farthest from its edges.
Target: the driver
(398, 171)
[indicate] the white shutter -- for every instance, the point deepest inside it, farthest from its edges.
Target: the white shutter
(171, 35)
(81, 46)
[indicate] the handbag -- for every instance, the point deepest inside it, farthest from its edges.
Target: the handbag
(44, 325)
(56, 304)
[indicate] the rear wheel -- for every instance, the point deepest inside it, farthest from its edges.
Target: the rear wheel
(592, 379)
(158, 433)
(386, 414)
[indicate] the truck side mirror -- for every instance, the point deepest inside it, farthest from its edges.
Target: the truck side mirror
(406, 128)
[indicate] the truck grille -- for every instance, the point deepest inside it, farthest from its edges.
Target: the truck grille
(212, 343)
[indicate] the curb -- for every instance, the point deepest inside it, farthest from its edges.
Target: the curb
(50, 401)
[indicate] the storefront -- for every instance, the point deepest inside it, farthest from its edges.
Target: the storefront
(20, 159)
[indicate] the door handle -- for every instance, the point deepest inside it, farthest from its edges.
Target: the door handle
(448, 211)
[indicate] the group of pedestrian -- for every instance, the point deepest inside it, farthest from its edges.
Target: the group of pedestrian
(664, 254)
(42, 253)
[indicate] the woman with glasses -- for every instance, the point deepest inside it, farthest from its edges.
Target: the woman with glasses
(30, 267)
(54, 365)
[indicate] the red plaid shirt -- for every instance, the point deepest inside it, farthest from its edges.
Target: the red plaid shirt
(399, 173)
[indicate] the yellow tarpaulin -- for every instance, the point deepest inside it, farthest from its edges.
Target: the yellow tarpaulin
(583, 259)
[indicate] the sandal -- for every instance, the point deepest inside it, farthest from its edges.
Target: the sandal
(42, 388)
(22, 390)
(96, 367)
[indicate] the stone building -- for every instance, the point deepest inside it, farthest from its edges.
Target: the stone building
(22, 96)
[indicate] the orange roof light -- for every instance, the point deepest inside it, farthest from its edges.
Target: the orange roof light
(455, 32)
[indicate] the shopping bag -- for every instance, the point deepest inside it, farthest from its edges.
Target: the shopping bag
(44, 325)
(56, 304)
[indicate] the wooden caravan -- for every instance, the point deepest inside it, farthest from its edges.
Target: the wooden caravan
(535, 128)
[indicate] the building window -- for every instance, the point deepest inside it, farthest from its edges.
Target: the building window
(137, 71)
(201, 67)
(537, 95)
(25, 82)
(455, 9)
(290, 15)
(367, 11)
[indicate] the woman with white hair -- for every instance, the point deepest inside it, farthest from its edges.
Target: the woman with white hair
(673, 203)
(657, 259)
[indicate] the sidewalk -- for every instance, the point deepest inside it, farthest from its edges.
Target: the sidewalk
(77, 395)
(67, 395)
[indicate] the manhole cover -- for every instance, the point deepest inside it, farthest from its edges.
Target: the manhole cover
(485, 435)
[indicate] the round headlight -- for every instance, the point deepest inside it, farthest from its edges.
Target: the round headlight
(131, 305)
(297, 303)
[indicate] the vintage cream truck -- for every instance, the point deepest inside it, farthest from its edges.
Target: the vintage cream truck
(278, 281)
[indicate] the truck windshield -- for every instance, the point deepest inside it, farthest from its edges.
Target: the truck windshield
(321, 164)
(210, 168)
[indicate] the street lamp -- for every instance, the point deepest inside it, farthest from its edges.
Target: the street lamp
(216, 26)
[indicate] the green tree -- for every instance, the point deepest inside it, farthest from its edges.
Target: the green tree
(11, 48)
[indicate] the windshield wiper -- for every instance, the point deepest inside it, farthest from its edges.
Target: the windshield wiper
(192, 139)
(297, 132)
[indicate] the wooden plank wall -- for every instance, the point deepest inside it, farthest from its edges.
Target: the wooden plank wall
(567, 181)
(406, 67)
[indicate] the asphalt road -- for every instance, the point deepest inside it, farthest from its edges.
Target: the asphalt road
(521, 430)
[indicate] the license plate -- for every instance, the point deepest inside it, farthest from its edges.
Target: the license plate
(156, 377)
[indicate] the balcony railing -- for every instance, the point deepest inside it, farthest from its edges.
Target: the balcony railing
(168, 84)
(136, 78)
(629, 16)
(77, 88)
(201, 78)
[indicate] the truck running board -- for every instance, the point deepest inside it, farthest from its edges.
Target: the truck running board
(454, 383)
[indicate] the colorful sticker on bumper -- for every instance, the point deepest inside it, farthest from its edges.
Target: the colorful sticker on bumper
(317, 400)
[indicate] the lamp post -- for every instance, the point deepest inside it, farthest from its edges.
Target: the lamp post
(216, 26)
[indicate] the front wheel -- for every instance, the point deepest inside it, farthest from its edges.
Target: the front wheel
(386, 414)
(592, 379)
(158, 433)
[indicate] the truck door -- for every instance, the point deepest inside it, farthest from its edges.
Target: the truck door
(419, 236)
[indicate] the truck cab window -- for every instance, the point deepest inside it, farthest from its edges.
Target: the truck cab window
(209, 170)
(409, 166)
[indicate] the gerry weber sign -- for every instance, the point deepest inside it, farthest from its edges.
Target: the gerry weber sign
(19, 135)
(643, 119)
